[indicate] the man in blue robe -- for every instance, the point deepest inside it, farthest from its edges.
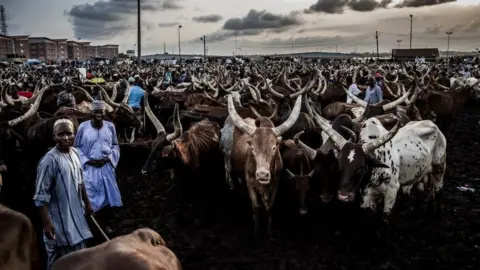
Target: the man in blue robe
(59, 191)
(97, 144)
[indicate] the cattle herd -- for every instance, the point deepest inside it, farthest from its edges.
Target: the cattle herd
(262, 165)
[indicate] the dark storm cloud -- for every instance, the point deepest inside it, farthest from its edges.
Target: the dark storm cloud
(262, 20)
(422, 3)
(105, 19)
(167, 24)
(213, 18)
(328, 6)
(338, 6)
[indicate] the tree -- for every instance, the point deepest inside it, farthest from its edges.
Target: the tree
(122, 55)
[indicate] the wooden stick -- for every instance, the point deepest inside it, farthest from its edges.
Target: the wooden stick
(98, 227)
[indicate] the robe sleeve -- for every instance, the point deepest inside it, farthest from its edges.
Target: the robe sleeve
(115, 155)
(45, 176)
(78, 144)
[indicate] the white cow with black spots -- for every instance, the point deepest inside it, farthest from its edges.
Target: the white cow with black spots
(402, 157)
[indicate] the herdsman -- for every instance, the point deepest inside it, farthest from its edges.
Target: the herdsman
(59, 192)
(99, 151)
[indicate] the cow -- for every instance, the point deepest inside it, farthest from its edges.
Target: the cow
(17, 241)
(142, 249)
(402, 157)
(256, 157)
(299, 171)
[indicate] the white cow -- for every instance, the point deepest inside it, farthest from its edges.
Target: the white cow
(402, 157)
(414, 156)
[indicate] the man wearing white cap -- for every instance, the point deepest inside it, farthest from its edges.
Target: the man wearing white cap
(97, 145)
(59, 192)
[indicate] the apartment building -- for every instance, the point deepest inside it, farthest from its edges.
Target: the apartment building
(17, 45)
(107, 51)
(74, 50)
(89, 51)
(62, 53)
(43, 48)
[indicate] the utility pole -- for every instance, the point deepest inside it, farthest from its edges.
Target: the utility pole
(376, 37)
(204, 47)
(411, 29)
(448, 42)
(179, 51)
(336, 48)
(164, 48)
(399, 41)
(139, 36)
(3, 21)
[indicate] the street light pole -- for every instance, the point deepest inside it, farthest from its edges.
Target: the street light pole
(448, 42)
(179, 52)
(204, 47)
(139, 36)
(411, 29)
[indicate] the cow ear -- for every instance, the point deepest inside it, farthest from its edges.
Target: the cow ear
(376, 164)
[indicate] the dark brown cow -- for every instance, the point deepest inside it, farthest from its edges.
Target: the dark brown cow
(143, 249)
(298, 168)
(256, 156)
(18, 249)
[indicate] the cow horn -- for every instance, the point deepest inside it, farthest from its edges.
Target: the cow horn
(307, 150)
(355, 98)
(353, 136)
(127, 92)
(30, 111)
(397, 102)
(278, 131)
(6, 97)
(305, 89)
(333, 134)
(107, 98)
(237, 119)
(271, 90)
(290, 174)
(177, 125)
(274, 113)
(156, 123)
(372, 145)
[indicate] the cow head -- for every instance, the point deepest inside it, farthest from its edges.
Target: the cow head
(163, 139)
(355, 159)
(299, 171)
(263, 139)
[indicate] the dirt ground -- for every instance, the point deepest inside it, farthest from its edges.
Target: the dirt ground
(336, 236)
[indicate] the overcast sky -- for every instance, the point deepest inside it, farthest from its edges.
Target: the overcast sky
(252, 26)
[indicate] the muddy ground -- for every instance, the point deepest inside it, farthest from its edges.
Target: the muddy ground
(329, 237)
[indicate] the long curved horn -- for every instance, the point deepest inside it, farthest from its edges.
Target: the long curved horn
(372, 145)
(237, 119)
(271, 90)
(325, 126)
(6, 97)
(307, 150)
(156, 123)
(355, 98)
(305, 89)
(278, 131)
(178, 130)
(353, 136)
(274, 113)
(30, 111)
(398, 101)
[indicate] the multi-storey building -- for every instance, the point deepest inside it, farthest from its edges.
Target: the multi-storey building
(62, 53)
(107, 51)
(43, 48)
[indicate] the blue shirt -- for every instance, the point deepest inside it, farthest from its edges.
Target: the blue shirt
(373, 95)
(58, 186)
(135, 97)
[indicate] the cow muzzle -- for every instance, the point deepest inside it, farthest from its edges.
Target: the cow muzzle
(263, 177)
(346, 196)
(326, 198)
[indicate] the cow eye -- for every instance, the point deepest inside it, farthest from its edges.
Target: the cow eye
(274, 147)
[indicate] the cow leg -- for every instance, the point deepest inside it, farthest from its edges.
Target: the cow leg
(228, 169)
(389, 198)
(268, 208)
(255, 210)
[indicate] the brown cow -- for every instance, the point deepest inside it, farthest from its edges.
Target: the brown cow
(144, 249)
(255, 154)
(18, 249)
